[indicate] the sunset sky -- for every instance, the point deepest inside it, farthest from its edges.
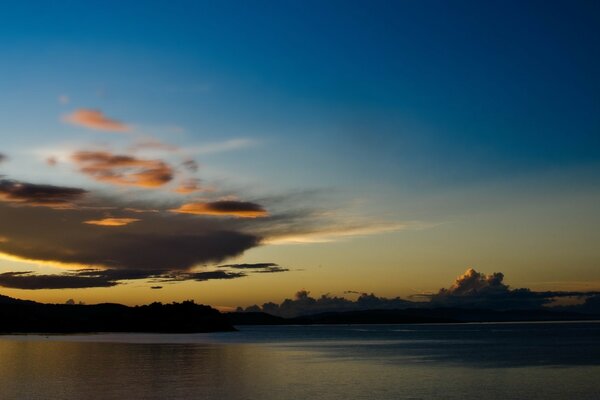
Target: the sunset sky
(236, 152)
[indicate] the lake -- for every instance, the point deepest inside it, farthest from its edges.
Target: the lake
(451, 361)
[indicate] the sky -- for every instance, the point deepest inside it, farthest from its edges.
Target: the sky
(235, 152)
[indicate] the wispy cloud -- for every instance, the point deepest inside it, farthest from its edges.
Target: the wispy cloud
(220, 147)
(95, 119)
(332, 234)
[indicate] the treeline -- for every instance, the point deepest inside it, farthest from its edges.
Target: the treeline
(18, 316)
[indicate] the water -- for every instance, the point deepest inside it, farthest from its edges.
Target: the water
(464, 361)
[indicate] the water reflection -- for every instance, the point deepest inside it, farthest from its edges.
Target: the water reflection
(495, 361)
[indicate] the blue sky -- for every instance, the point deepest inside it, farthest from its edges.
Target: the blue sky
(397, 110)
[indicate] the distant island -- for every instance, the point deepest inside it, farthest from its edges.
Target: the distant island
(411, 316)
(23, 316)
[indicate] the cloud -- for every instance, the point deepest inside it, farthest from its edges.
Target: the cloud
(201, 276)
(219, 147)
(90, 278)
(470, 290)
(304, 304)
(191, 165)
(95, 119)
(126, 170)
(27, 280)
(149, 143)
(52, 161)
(157, 241)
(227, 208)
(30, 194)
(189, 186)
(474, 289)
(3, 158)
(249, 266)
(259, 268)
(112, 221)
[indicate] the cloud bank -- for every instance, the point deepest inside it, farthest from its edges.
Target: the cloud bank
(470, 290)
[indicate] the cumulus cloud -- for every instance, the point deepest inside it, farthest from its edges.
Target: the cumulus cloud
(227, 208)
(474, 289)
(30, 194)
(95, 119)
(304, 304)
(112, 221)
(120, 169)
(470, 290)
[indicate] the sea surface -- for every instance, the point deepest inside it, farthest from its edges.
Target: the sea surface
(451, 361)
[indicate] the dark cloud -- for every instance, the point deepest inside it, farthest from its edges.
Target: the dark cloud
(271, 270)
(250, 266)
(233, 208)
(191, 165)
(470, 290)
(89, 278)
(258, 268)
(478, 290)
(304, 304)
(121, 169)
(27, 280)
(158, 241)
(201, 276)
(31, 194)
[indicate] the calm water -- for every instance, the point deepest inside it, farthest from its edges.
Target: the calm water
(470, 361)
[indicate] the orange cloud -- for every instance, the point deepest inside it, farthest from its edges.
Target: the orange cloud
(225, 208)
(112, 221)
(189, 186)
(122, 169)
(95, 119)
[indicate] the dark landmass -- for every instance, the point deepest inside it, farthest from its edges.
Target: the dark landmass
(410, 316)
(22, 316)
